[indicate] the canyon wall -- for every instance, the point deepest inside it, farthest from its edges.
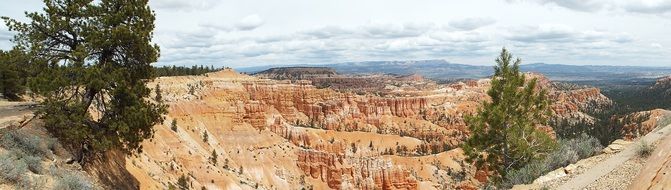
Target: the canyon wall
(274, 134)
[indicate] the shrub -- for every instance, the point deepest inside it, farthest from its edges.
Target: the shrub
(585, 145)
(30, 144)
(568, 152)
(526, 174)
(644, 149)
(73, 181)
(11, 168)
(35, 182)
(34, 164)
(561, 157)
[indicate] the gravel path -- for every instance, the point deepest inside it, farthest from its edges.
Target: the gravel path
(619, 178)
(554, 184)
(604, 168)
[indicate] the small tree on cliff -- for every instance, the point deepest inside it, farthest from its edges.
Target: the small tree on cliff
(213, 158)
(97, 57)
(159, 94)
(503, 131)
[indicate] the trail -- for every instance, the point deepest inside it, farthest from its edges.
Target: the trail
(603, 168)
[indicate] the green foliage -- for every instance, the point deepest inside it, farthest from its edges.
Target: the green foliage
(13, 74)
(526, 174)
(27, 144)
(183, 182)
(12, 168)
(159, 94)
(561, 157)
(584, 145)
(34, 164)
(205, 136)
(73, 181)
(644, 149)
(97, 57)
(639, 96)
(568, 152)
(606, 127)
(213, 158)
(192, 89)
(182, 71)
(504, 128)
(173, 125)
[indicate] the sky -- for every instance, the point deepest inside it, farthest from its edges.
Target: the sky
(240, 33)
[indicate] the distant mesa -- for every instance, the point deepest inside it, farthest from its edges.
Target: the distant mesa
(296, 73)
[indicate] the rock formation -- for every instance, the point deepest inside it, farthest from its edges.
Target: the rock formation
(292, 135)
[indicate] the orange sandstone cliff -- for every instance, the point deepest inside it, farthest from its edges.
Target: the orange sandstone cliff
(287, 134)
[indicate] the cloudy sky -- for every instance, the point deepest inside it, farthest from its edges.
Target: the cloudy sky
(242, 33)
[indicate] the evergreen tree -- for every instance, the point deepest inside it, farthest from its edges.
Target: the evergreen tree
(173, 125)
(183, 182)
(159, 96)
(12, 74)
(503, 132)
(213, 158)
(205, 136)
(98, 56)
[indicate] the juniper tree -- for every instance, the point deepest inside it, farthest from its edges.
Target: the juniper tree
(97, 57)
(503, 131)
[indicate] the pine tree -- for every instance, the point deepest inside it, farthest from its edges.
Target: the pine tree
(98, 57)
(213, 158)
(173, 125)
(12, 74)
(503, 132)
(205, 136)
(159, 96)
(183, 182)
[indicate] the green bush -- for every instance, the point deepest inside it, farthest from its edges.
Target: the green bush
(12, 169)
(29, 144)
(568, 152)
(644, 149)
(526, 174)
(73, 181)
(34, 163)
(561, 157)
(34, 182)
(585, 145)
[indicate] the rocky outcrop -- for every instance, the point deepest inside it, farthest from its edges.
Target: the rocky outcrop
(338, 171)
(641, 123)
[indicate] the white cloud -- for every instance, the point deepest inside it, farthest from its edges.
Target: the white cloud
(565, 34)
(240, 32)
(656, 45)
(182, 5)
(660, 7)
(651, 7)
(472, 23)
(250, 22)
